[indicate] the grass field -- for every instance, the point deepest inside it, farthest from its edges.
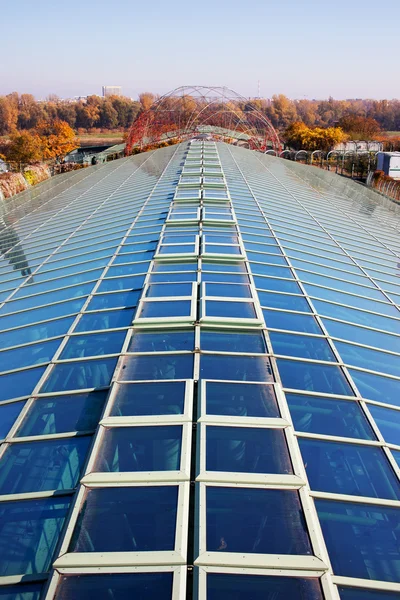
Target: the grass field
(100, 139)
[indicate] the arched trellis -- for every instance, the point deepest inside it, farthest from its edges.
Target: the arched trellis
(192, 110)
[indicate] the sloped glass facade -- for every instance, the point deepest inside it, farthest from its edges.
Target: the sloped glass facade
(200, 384)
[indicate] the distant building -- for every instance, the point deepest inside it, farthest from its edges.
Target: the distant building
(112, 90)
(389, 163)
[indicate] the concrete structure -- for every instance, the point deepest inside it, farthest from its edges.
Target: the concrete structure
(199, 383)
(112, 90)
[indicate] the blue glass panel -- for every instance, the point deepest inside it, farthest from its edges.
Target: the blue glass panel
(284, 301)
(233, 341)
(76, 412)
(246, 450)
(276, 285)
(375, 387)
(369, 359)
(157, 366)
(255, 520)
(357, 316)
(42, 314)
(396, 454)
(94, 344)
(40, 466)
(235, 368)
(133, 449)
(388, 422)
(29, 591)
(291, 322)
(340, 274)
(301, 346)
(34, 354)
(138, 399)
(172, 277)
(329, 417)
(258, 587)
(42, 299)
(35, 288)
(77, 268)
(349, 469)
(127, 519)
(118, 586)
(29, 532)
(240, 310)
(266, 258)
(352, 300)
(225, 277)
(228, 291)
(260, 269)
(241, 400)
(131, 269)
(20, 383)
(80, 375)
(8, 414)
(362, 336)
(169, 289)
(105, 320)
(117, 300)
(123, 283)
(167, 341)
(267, 247)
(224, 267)
(371, 534)
(314, 377)
(35, 332)
(166, 308)
(345, 286)
(174, 266)
(347, 593)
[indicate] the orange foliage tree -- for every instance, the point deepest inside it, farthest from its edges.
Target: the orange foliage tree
(57, 139)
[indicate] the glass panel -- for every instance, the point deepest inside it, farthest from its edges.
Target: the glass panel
(93, 345)
(224, 267)
(301, 346)
(172, 277)
(371, 533)
(21, 383)
(260, 269)
(49, 298)
(119, 270)
(357, 316)
(76, 412)
(166, 341)
(388, 422)
(240, 310)
(80, 375)
(228, 291)
(363, 594)
(29, 532)
(155, 448)
(284, 301)
(329, 417)
(259, 587)
(377, 388)
(40, 466)
(35, 332)
(224, 277)
(105, 320)
(255, 520)
(28, 355)
(241, 400)
(246, 450)
(313, 377)
(167, 366)
(349, 469)
(290, 321)
(117, 300)
(42, 314)
(276, 285)
(8, 414)
(167, 308)
(169, 289)
(362, 336)
(235, 368)
(29, 591)
(232, 341)
(127, 519)
(369, 359)
(121, 586)
(123, 283)
(174, 266)
(137, 399)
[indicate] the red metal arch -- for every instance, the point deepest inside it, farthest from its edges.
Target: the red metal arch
(190, 110)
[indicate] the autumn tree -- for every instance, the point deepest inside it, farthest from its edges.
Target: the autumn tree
(57, 138)
(146, 99)
(8, 116)
(24, 147)
(300, 137)
(360, 128)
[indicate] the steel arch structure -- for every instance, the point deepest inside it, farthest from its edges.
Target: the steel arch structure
(217, 112)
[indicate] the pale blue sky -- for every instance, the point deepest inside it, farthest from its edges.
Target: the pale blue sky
(309, 48)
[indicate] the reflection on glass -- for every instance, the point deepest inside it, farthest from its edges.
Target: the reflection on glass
(347, 593)
(301, 346)
(239, 310)
(232, 341)
(34, 354)
(105, 320)
(118, 586)
(259, 587)
(148, 448)
(328, 416)
(8, 414)
(256, 520)
(80, 375)
(35, 333)
(276, 319)
(28, 591)
(158, 398)
(157, 366)
(241, 399)
(127, 519)
(79, 346)
(21, 383)
(166, 308)
(246, 450)
(11, 248)
(313, 377)
(375, 387)
(75, 412)
(44, 465)
(29, 532)
(235, 368)
(285, 301)
(349, 469)
(166, 341)
(371, 533)
(388, 422)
